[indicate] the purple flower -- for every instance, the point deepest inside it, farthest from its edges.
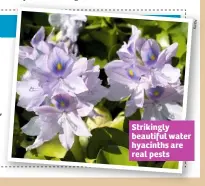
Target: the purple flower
(128, 52)
(156, 64)
(56, 71)
(126, 80)
(62, 118)
(163, 103)
(31, 95)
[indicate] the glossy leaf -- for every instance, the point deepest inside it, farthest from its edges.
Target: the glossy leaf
(115, 155)
(171, 165)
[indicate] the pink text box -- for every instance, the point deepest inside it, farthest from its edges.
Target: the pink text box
(164, 140)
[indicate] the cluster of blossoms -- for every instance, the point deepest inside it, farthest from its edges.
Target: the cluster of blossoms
(61, 87)
(145, 75)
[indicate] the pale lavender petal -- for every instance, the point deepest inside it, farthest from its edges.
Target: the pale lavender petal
(39, 36)
(172, 73)
(127, 53)
(148, 112)
(47, 131)
(130, 108)
(153, 112)
(32, 128)
(95, 95)
(59, 62)
(65, 102)
(79, 67)
(75, 84)
(78, 125)
(42, 63)
(44, 47)
(136, 101)
(149, 52)
(139, 43)
(84, 109)
(173, 94)
(174, 111)
(31, 95)
(66, 137)
(166, 55)
(45, 110)
(28, 63)
(117, 72)
(117, 92)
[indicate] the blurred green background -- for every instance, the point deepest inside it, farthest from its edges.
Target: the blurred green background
(100, 38)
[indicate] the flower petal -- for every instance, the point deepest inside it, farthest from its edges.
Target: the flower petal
(77, 124)
(39, 36)
(171, 72)
(45, 110)
(75, 84)
(115, 70)
(47, 131)
(66, 137)
(32, 128)
(174, 111)
(31, 95)
(59, 62)
(152, 112)
(117, 92)
(166, 55)
(149, 52)
(80, 66)
(84, 109)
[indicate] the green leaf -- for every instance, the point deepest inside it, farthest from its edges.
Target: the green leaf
(163, 39)
(171, 165)
(135, 116)
(181, 40)
(77, 150)
(115, 155)
(32, 155)
(40, 19)
(100, 62)
(99, 121)
(52, 148)
(165, 25)
(105, 36)
(118, 122)
(102, 137)
(113, 52)
(21, 71)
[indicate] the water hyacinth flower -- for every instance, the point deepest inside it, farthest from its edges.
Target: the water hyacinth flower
(31, 95)
(147, 54)
(60, 88)
(69, 25)
(141, 66)
(61, 118)
(128, 77)
(39, 46)
(163, 103)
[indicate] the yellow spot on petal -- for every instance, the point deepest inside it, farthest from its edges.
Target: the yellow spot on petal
(156, 93)
(131, 73)
(62, 104)
(152, 57)
(59, 66)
